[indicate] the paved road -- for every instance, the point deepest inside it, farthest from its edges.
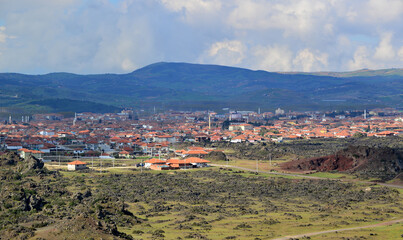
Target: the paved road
(307, 176)
(339, 230)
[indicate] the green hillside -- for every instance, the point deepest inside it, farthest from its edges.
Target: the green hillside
(184, 86)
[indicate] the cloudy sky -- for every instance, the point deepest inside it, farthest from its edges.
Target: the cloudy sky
(119, 36)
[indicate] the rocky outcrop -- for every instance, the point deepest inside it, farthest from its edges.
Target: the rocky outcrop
(369, 162)
(216, 156)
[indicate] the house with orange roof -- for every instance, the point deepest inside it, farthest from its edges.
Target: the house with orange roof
(179, 163)
(384, 134)
(25, 153)
(124, 154)
(13, 145)
(198, 153)
(154, 161)
(197, 162)
(165, 138)
(76, 165)
(161, 167)
(215, 138)
(238, 139)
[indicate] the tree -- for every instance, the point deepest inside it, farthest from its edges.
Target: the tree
(359, 135)
(225, 124)
(262, 132)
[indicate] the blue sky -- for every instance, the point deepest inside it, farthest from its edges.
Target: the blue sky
(119, 36)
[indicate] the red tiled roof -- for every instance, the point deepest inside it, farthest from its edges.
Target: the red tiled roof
(154, 161)
(76, 163)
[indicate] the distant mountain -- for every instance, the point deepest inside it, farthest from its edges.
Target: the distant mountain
(184, 86)
(360, 73)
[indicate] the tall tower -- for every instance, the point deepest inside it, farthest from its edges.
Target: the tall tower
(209, 121)
(365, 113)
(75, 119)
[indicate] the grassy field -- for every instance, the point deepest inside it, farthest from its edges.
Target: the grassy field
(291, 216)
(251, 217)
(225, 203)
(384, 232)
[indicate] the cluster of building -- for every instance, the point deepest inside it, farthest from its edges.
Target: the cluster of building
(126, 134)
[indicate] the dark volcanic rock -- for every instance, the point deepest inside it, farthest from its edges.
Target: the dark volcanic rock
(383, 163)
(216, 156)
(9, 159)
(30, 163)
(34, 202)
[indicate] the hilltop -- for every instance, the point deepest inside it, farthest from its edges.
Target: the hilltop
(184, 86)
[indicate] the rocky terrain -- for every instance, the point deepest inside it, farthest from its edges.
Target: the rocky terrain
(382, 163)
(34, 200)
(36, 203)
(302, 148)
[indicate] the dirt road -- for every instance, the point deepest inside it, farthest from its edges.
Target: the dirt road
(339, 230)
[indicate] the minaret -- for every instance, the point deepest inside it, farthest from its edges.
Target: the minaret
(365, 113)
(10, 120)
(209, 121)
(75, 119)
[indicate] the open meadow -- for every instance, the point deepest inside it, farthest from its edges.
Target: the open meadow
(127, 202)
(222, 204)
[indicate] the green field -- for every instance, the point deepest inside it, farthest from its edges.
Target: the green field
(249, 214)
(124, 202)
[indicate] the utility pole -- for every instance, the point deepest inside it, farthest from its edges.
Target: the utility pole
(57, 155)
(270, 158)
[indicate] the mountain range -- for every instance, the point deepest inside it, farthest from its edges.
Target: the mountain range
(185, 86)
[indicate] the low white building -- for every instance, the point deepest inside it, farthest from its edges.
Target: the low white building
(76, 165)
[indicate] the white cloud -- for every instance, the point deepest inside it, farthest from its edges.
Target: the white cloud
(307, 61)
(273, 58)
(384, 55)
(287, 35)
(361, 59)
(293, 17)
(400, 54)
(385, 10)
(228, 52)
(192, 5)
(3, 35)
(385, 51)
(194, 11)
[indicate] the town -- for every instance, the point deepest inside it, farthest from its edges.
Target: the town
(113, 139)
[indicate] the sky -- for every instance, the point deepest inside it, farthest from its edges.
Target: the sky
(120, 36)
